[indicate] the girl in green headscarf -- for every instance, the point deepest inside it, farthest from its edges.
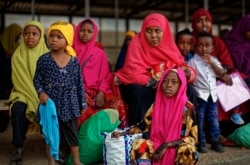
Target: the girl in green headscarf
(23, 98)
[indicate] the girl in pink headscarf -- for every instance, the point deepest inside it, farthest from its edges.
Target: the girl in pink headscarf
(96, 74)
(171, 111)
(171, 122)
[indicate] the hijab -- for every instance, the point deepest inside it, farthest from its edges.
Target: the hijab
(9, 38)
(141, 56)
(167, 116)
(93, 61)
(123, 52)
(238, 45)
(23, 70)
(67, 31)
(220, 49)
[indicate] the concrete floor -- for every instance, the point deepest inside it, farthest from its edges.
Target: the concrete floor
(34, 153)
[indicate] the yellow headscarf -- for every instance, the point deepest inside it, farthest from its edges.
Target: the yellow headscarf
(130, 33)
(9, 38)
(68, 32)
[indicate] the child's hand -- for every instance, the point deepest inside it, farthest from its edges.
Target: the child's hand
(207, 59)
(227, 79)
(99, 100)
(115, 134)
(43, 97)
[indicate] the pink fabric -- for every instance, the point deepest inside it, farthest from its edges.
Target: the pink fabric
(141, 57)
(96, 73)
(167, 118)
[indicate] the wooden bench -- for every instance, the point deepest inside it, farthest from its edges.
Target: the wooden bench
(3, 107)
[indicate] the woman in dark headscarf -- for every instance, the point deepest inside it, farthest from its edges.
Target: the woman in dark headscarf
(202, 21)
(121, 58)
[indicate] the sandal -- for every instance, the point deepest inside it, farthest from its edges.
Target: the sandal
(236, 118)
(16, 158)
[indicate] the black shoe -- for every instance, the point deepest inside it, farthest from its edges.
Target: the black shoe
(203, 149)
(216, 146)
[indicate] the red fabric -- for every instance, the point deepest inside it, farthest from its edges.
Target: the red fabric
(167, 117)
(143, 148)
(141, 57)
(111, 101)
(196, 16)
(220, 50)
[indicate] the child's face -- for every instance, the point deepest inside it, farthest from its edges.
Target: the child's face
(204, 46)
(154, 35)
(185, 44)
(86, 32)
(31, 36)
(56, 40)
(203, 25)
(170, 84)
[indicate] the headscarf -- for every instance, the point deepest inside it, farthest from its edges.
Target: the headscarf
(123, 52)
(93, 61)
(141, 56)
(167, 116)
(220, 49)
(238, 45)
(196, 16)
(130, 33)
(23, 70)
(9, 38)
(68, 32)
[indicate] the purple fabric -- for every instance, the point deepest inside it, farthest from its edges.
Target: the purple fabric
(240, 47)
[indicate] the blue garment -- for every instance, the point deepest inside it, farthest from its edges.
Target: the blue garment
(63, 85)
(50, 127)
(208, 110)
(188, 57)
(121, 57)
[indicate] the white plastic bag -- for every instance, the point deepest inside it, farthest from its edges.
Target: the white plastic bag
(117, 150)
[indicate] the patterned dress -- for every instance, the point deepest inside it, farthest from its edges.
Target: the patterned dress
(186, 151)
(63, 85)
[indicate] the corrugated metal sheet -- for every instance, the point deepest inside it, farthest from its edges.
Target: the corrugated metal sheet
(223, 11)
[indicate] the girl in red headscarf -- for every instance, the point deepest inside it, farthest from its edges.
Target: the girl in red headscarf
(96, 74)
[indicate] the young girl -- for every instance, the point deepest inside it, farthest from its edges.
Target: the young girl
(23, 98)
(58, 77)
(173, 130)
(95, 73)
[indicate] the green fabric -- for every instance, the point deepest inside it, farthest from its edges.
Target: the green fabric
(23, 70)
(10, 36)
(241, 136)
(89, 136)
